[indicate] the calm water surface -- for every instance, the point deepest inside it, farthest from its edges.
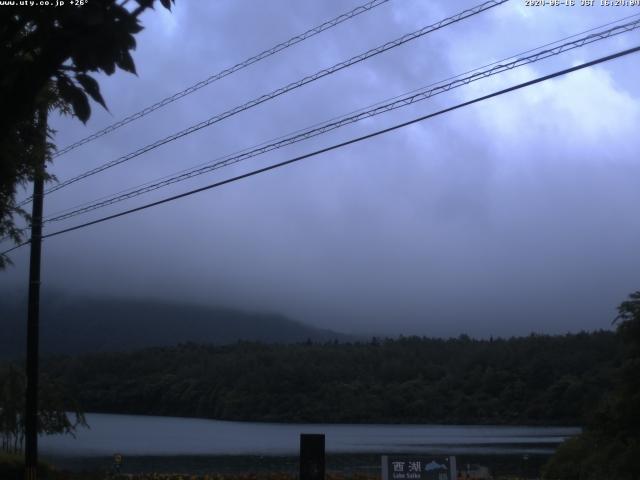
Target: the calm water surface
(135, 435)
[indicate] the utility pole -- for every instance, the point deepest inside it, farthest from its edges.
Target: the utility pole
(33, 315)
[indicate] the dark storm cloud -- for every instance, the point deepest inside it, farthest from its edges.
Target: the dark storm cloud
(513, 216)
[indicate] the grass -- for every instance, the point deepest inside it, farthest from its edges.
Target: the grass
(339, 467)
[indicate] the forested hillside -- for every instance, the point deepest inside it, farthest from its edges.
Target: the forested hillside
(74, 325)
(530, 380)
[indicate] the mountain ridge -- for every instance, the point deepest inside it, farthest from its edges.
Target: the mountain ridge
(75, 325)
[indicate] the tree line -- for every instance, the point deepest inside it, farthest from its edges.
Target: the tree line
(539, 379)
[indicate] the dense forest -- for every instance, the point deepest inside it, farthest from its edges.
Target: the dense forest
(538, 379)
(609, 446)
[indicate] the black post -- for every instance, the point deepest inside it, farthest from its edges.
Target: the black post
(31, 414)
(312, 456)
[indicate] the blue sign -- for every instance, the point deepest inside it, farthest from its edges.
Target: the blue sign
(418, 467)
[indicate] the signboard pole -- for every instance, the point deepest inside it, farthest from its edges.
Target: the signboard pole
(453, 468)
(385, 467)
(312, 456)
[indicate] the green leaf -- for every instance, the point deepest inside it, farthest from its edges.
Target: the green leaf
(125, 62)
(109, 67)
(92, 88)
(74, 96)
(145, 3)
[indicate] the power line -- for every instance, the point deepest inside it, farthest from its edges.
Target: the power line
(254, 147)
(398, 102)
(151, 182)
(275, 143)
(381, 102)
(213, 78)
(15, 247)
(282, 90)
(348, 142)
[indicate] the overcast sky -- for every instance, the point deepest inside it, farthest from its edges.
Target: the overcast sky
(517, 214)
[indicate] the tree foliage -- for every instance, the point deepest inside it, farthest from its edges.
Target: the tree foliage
(53, 401)
(610, 446)
(45, 50)
(531, 380)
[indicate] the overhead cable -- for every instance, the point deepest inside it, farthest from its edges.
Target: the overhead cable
(224, 73)
(343, 144)
(362, 109)
(282, 90)
(396, 103)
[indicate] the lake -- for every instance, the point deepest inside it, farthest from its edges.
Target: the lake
(135, 435)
